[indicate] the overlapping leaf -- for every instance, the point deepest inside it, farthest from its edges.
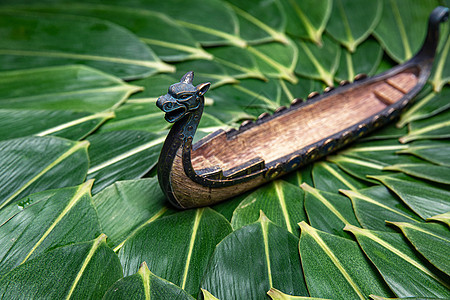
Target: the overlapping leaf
(126, 206)
(251, 260)
(328, 212)
(328, 177)
(423, 198)
(327, 259)
(307, 19)
(401, 267)
(145, 285)
(278, 295)
(186, 239)
(441, 75)
(318, 62)
(430, 172)
(65, 217)
(374, 205)
(34, 164)
(351, 21)
(171, 43)
(47, 39)
(282, 202)
(435, 152)
(364, 60)
(429, 105)
(431, 240)
(121, 155)
(437, 127)
(78, 271)
(402, 27)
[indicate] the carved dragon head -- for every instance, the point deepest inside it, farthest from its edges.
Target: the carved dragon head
(182, 98)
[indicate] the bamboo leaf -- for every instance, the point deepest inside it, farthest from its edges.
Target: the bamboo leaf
(435, 152)
(328, 177)
(207, 295)
(301, 176)
(276, 60)
(402, 27)
(171, 43)
(374, 205)
(187, 239)
(307, 19)
(67, 216)
(407, 298)
(423, 198)
(318, 62)
(282, 202)
(364, 60)
(352, 21)
(431, 240)
(34, 164)
(327, 258)
(328, 212)
(430, 172)
(126, 206)
(79, 271)
(260, 21)
(121, 155)
(400, 266)
(444, 218)
(429, 105)
(440, 74)
(278, 295)
(386, 133)
(269, 251)
(145, 285)
(358, 167)
(122, 55)
(65, 88)
(437, 127)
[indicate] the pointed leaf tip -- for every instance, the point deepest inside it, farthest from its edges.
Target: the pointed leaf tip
(263, 217)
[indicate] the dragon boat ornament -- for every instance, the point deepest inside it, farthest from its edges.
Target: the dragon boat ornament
(227, 163)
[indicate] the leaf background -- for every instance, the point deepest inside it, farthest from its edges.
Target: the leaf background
(67, 117)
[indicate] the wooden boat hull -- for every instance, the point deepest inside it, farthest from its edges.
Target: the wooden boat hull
(225, 164)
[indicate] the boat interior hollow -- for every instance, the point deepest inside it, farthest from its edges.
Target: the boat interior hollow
(298, 128)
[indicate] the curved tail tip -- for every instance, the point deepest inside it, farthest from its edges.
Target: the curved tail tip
(439, 14)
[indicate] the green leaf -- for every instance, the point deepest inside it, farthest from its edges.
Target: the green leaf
(437, 127)
(400, 266)
(145, 285)
(402, 27)
(276, 60)
(406, 298)
(428, 106)
(300, 176)
(207, 295)
(65, 217)
(211, 22)
(65, 88)
(171, 43)
(386, 132)
(79, 271)
(126, 206)
(328, 177)
(318, 62)
(357, 167)
(352, 21)
(441, 76)
(444, 218)
(282, 202)
(327, 259)
(34, 164)
(186, 239)
(374, 205)
(66, 124)
(278, 295)
(47, 39)
(307, 19)
(260, 21)
(440, 174)
(251, 260)
(423, 198)
(435, 152)
(121, 155)
(431, 240)
(328, 212)
(364, 60)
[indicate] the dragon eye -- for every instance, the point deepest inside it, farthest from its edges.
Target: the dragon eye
(184, 96)
(168, 105)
